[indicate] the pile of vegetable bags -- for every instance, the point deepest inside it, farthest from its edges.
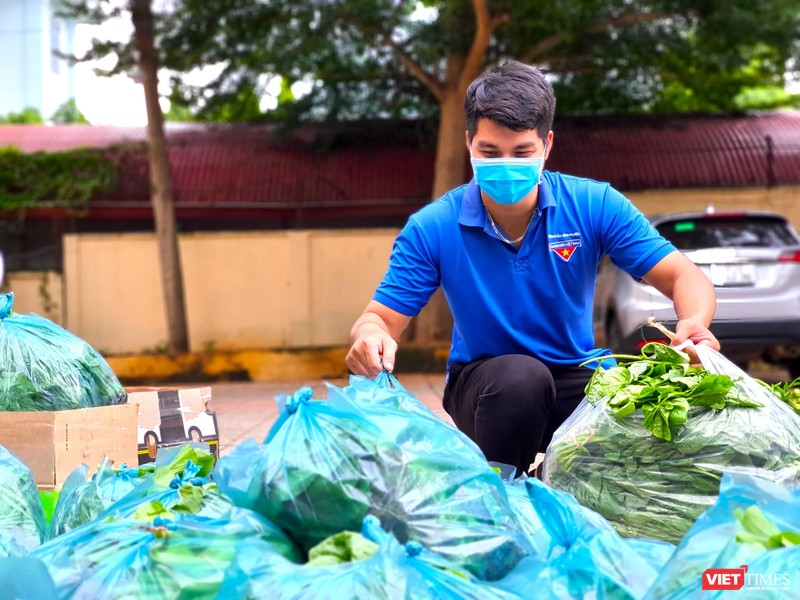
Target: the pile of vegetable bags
(648, 446)
(371, 448)
(45, 367)
(160, 531)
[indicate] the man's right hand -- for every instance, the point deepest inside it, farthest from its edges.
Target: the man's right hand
(374, 340)
(372, 351)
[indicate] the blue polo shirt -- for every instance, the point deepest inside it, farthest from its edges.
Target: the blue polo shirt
(535, 300)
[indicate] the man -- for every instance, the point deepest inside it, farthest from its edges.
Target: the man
(516, 252)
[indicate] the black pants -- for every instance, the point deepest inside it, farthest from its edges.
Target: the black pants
(511, 405)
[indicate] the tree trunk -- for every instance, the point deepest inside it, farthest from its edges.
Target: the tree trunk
(451, 151)
(160, 182)
(434, 324)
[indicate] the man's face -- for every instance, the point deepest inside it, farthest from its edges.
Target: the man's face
(495, 141)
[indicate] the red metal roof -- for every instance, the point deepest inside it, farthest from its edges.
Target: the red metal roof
(658, 152)
(380, 168)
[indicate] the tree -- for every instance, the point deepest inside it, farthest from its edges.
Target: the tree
(68, 112)
(141, 52)
(27, 116)
(391, 58)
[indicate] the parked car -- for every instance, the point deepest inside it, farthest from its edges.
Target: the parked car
(753, 260)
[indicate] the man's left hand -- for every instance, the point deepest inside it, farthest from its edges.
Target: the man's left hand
(688, 329)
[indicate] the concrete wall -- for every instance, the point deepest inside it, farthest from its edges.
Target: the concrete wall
(39, 292)
(785, 201)
(262, 290)
(243, 290)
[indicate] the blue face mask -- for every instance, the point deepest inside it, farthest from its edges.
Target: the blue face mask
(507, 180)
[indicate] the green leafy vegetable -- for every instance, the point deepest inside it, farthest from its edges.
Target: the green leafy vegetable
(758, 530)
(649, 447)
(663, 385)
(344, 547)
(788, 392)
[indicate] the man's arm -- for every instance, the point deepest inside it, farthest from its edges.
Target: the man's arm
(373, 339)
(691, 293)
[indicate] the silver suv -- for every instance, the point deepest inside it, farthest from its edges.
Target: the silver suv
(753, 260)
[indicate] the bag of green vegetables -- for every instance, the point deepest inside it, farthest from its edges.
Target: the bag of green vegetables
(378, 568)
(179, 481)
(649, 444)
(22, 521)
(45, 367)
(754, 526)
(161, 558)
(328, 464)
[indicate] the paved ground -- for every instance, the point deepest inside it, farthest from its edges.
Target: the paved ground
(247, 409)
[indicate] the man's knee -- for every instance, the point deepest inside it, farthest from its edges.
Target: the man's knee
(521, 377)
(524, 374)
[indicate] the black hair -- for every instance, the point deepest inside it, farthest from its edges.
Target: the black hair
(514, 95)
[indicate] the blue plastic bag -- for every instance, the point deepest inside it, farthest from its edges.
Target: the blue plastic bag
(587, 558)
(45, 367)
(733, 533)
(180, 483)
(80, 500)
(393, 572)
(328, 464)
(25, 579)
(385, 390)
(161, 560)
(22, 521)
(520, 501)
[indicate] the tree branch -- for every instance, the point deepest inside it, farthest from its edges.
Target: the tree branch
(382, 38)
(413, 67)
(533, 55)
(485, 24)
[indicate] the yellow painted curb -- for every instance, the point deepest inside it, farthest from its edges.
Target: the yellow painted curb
(254, 365)
(262, 365)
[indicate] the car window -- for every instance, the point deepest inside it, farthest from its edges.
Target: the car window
(727, 232)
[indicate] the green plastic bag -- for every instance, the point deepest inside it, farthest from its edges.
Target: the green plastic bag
(45, 367)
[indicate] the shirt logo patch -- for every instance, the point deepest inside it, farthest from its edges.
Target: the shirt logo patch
(564, 249)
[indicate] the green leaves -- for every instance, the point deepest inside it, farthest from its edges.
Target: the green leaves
(788, 392)
(53, 179)
(758, 530)
(663, 385)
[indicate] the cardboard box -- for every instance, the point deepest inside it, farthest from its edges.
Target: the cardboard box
(54, 443)
(171, 417)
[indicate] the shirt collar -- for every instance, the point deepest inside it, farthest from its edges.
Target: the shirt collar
(474, 214)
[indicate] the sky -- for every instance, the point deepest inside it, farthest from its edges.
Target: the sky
(117, 100)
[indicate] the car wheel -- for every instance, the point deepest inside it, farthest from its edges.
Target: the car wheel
(614, 335)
